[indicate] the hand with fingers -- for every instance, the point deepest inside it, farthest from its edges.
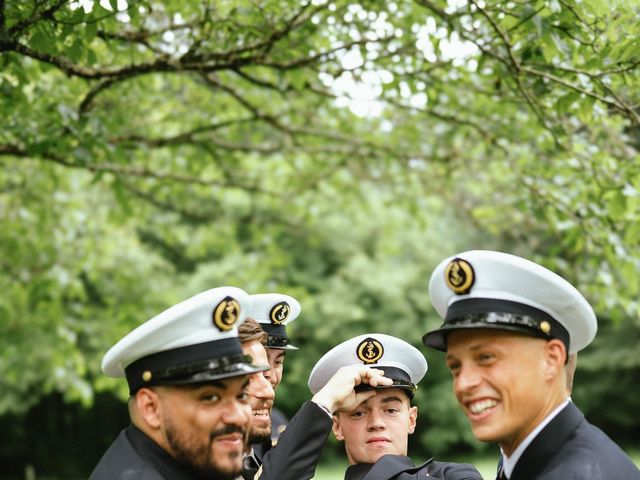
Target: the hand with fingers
(339, 393)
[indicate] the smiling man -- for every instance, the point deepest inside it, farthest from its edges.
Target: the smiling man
(274, 312)
(260, 389)
(188, 379)
(261, 394)
(376, 431)
(510, 327)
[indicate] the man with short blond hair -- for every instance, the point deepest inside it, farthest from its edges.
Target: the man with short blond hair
(511, 331)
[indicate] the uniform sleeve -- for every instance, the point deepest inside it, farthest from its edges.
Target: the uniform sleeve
(299, 447)
(454, 471)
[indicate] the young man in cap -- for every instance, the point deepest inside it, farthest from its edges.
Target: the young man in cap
(298, 451)
(252, 340)
(189, 407)
(509, 328)
(376, 431)
(274, 311)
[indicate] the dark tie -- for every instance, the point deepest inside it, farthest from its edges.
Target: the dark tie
(250, 463)
(500, 475)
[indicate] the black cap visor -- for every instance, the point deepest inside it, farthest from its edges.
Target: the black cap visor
(277, 337)
(228, 371)
(200, 363)
(492, 314)
(400, 379)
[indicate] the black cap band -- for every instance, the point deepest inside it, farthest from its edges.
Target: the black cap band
(497, 314)
(191, 364)
(271, 329)
(277, 342)
(277, 336)
(401, 379)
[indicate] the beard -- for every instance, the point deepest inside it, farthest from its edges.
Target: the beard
(259, 436)
(199, 459)
(260, 432)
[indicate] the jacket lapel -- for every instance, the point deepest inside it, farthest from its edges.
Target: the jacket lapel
(547, 444)
(388, 466)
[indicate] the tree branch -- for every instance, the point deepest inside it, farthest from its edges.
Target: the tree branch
(255, 111)
(503, 35)
(190, 215)
(259, 82)
(622, 67)
(87, 101)
(184, 137)
(621, 107)
(36, 17)
(322, 56)
(264, 46)
(127, 171)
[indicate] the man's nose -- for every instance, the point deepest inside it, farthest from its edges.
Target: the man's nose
(375, 420)
(260, 387)
(467, 378)
(237, 412)
(273, 377)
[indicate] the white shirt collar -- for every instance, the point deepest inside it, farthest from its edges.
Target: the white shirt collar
(509, 463)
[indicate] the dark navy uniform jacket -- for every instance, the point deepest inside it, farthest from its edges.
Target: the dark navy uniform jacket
(134, 456)
(399, 467)
(278, 425)
(299, 447)
(571, 448)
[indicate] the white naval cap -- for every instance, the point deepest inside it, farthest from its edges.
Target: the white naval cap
(274, 311)
(400, 361)
(194, 341)
(495, 290)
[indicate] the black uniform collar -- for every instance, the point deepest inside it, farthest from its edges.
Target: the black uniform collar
(547, 443)
(259, 449)
(162, 462)
(387, 466)
(357, 471)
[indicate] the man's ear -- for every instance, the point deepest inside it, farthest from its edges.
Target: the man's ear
(149, 407)
(413, 417)
(337, 431)
(555, 357)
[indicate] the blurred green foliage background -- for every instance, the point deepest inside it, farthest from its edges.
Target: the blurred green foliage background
(335, 151)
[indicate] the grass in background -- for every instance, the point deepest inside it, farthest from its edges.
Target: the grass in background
(331, 471)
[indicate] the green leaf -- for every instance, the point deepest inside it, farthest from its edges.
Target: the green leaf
(297, 79)
(78, 15)
(90, 31)
(76, 51)
(549, 47)
(121, 196)
(43, 41)
(564, 103)
(92, 59)
(67, 30)
(617, 205)
(598, 7)
(585, 110)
